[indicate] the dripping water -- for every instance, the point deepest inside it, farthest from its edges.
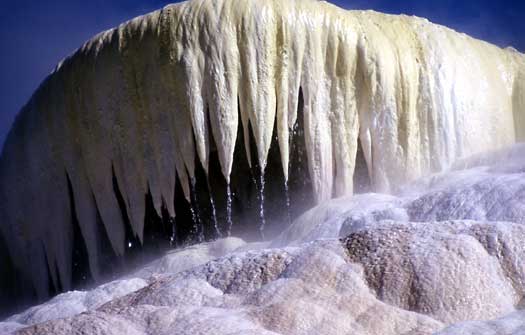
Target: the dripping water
(218, 233)
(254, 181)
(195, 230)
(287, 195)
(261, 209)
(229, 209)
(173, 237)
(198, 228)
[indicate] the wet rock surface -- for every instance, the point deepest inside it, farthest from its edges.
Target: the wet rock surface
(363, 265)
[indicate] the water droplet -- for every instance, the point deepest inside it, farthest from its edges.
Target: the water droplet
(214, 217)
(198, 228)
(173, 237)
(261, 211)
(229, 209)
(287, 195)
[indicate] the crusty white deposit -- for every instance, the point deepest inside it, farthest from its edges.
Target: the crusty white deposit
(366, 265)
(136, 99)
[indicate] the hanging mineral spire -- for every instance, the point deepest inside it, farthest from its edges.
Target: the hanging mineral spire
(136, 108)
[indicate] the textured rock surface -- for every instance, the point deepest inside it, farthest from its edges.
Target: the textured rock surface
(443, 269)
(512, 324)
(300, 290)
(143, 105)
(386, 278)
(180, 260)
(130, 109)
(360, 265)
(76, 302)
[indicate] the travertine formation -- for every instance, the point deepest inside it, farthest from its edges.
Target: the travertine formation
(146, 101)
(368, 264)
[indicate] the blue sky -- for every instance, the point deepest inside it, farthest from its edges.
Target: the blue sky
(35, 35)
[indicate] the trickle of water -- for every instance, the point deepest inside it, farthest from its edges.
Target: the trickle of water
(229, 209)
(214, 218)
(218, 233)
(287, 195)
(173, 237)
(198, 227)
(254, 181)
(261, 211)
(195, 228)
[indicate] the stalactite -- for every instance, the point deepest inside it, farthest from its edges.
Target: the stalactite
(140, 107)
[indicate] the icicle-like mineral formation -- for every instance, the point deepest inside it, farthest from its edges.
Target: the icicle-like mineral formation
(133, 105)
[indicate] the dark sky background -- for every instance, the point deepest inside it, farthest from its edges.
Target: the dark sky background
(36, 34)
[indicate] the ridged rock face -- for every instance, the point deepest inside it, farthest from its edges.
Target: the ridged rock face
(144, 105)
(366, 264)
